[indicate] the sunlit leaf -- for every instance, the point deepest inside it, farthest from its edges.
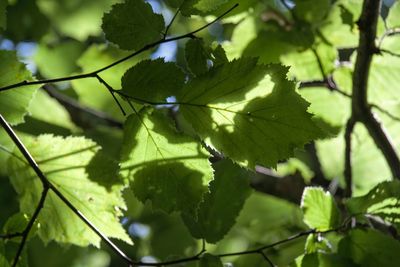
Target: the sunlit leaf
(166, 167)
(319, 209)
(14, 103)
(249, 112)
(87, 178)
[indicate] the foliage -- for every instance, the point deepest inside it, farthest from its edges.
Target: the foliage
(199, 133)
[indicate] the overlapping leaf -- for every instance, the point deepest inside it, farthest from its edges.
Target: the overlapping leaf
(152, 80)
(14, 103)
(132, 25)
(383, 201)
(249, 112)
(319, 209)
(87, 178)
(196, 56)
(218, 211)
(209, 260)
(166, 167)
(370, 248)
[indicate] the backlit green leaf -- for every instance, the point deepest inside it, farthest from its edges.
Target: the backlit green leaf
(319, 209)
(87, 178)
(14, 103)
(166, 167)
(251, 113)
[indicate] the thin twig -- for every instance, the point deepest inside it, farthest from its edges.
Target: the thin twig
(384, 111)
(389, 52)
(30, 224)
(172, 20)
(10, 236)
(111, 90)
(143, 49)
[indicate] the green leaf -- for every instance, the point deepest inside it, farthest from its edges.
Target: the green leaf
(219, 56)
(132, 25)
(90, 91)
(25, 21)
(78, 19)
(249, 112)
(196, 56)
(383, 201)
(323, 260)
(16, 224)
(166, 167)
(87, 178)
(316, 243)
(3, 5)
(209, 5)
(393, 18)
(59, 116)
(209, 260)
(152, 80)
(370, 248)
(219, 209)
(319, 209)
(51, 59)
(14, 103)
(311, 11)
(7, 254)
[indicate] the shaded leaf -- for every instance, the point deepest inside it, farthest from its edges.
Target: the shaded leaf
(65, 163)
(3, 4)
(319, 209)
(196, 56)
(370, 248)
(323, 260)
(209, 260)
(25, 22)
(166, 167)
(220, 207)
(132, 25)
(153, 80)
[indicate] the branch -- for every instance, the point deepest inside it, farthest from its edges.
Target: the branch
(328, 83)
(360, 108)
(96, 72)
(347, 157)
